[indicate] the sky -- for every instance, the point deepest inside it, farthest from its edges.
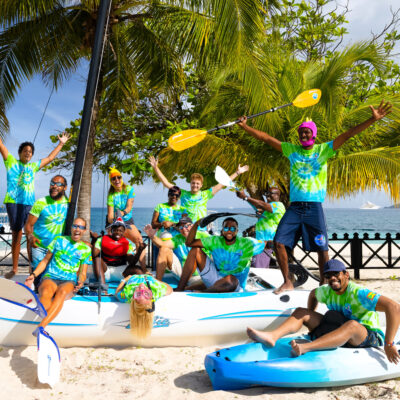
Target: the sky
(65, 104)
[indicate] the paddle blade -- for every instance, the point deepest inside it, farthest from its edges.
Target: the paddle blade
(307, 98)
(223, 178)
(49, 360)
(185, 139)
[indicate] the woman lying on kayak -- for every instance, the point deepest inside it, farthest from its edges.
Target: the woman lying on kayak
(142, 291)
(66, 260)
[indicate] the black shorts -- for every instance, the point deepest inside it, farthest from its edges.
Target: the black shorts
(17, 215)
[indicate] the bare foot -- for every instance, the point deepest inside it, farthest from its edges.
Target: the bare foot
(298, 348)
(261, 337)
(286, 286)
(10, 274)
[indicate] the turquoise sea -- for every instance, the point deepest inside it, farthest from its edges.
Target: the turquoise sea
(339, 220)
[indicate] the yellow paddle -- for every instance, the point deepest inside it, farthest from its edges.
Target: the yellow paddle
(189, 138)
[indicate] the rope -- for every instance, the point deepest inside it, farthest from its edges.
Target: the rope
(43, 114)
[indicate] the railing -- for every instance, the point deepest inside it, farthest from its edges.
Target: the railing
(357, 252)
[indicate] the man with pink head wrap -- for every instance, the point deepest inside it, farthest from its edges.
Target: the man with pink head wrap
(308, 177)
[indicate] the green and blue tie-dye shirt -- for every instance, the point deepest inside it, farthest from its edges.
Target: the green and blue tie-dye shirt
(20, 181)
(169, 213)
(51, 216)
(68, 257)
(308, 170)
(234, 259)
(267, 224)
(158, 288)
(196, 204)
(357, 303)
(118, 200)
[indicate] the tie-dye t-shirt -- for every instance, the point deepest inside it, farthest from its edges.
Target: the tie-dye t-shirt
(357, 303)
(196, 204)
(308, 170)
(118, 200)
(180, 248)
(171, 214)
(234, 259)
(267, 224)
(158, 288)
(68, 257)
(51, 216)
(20, 181)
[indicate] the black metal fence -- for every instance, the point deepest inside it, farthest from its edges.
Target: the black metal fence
(358, 253)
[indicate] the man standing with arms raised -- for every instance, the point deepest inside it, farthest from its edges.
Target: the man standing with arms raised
(308, 178)
(46, 221)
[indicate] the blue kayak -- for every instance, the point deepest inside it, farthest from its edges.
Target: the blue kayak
(255, 364)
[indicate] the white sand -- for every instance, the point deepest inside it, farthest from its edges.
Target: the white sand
(175, 373)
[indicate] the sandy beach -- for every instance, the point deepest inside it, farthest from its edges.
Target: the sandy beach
(176, 372)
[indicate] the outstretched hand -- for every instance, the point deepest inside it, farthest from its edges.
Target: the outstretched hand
(240, 194)
(243, 121)
(64, 137)
(150, 232)
(241, 170)
(382, 110)
(392, 354)
(153, 161)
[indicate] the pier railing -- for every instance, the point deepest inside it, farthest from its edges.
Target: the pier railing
(358, 252)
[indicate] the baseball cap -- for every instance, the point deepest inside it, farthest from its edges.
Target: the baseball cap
(334, 265)
(185, 220)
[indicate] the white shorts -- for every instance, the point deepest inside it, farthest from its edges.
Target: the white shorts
(176, 270)
(210, 275)
(113, 274)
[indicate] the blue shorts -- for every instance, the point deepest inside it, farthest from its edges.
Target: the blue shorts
(372, 340)
(305, 219)
(17, 215)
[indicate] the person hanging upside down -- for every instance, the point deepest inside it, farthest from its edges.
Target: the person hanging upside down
(352, 319)
(308, 177)
(195, 201)
(64, 267)
(141, 291)
(120, 200)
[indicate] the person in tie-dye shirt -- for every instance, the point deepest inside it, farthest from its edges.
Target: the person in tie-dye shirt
(229, 265)
(195, 201)
(64, 271)
(20, 194)
(308, 177)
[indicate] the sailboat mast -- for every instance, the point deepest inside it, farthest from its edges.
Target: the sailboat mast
(91, 86)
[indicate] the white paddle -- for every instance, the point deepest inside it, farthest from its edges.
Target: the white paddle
(223, 178)
(49, 360)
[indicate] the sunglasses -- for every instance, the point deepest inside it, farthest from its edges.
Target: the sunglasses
(229, 228)
(173, 194)
(58, 184)
(271, 193)
(328, 275)
(138, 293)
(188, 226)
(116, 178)
(76, 226)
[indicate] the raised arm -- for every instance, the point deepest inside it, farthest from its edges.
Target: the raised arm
(151, 233)
(153, 161)
(392, 312)
(377, 114)
(191, 240)
(3, 150)
(259, 204)
(240, 170)
(271, 141)
(63, 138)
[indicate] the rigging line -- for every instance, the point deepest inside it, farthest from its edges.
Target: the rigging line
(43, 114)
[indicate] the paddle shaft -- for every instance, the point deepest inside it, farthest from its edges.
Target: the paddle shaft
(228, 124)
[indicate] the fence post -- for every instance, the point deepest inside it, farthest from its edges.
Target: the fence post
(389, 243)
(356, 255)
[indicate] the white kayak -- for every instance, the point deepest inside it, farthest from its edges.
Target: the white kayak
(181, 319)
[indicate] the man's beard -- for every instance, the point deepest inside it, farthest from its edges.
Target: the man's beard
(58, 196)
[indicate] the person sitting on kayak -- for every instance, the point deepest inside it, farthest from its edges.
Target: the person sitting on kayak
(141, 291)
(272, 212)
(195, 201)
(173, 252)
(64, 266)
(229, 267)
(308, 178)
(113, 250)
(352, 319)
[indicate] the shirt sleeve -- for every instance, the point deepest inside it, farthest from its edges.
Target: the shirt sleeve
(131, 193)
(207, 242)
(37, 208)
(288, 149)
(321, 294)
(208, 194)
(131, 249)
(157, 207)
(97, 245)
(9, 161)
(258, 246)
(326, 152)
(87, 258)
(36, 166)
(52, 246)
(368, 298)
(110, 200)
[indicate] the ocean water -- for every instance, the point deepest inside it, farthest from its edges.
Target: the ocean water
(340, 221)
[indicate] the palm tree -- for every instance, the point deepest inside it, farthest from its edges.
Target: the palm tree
(365, 162)
(147, 44)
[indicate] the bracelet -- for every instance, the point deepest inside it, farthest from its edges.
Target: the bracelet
(389, 344)
(32, 273)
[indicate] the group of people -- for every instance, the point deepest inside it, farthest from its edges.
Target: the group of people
(212, 263)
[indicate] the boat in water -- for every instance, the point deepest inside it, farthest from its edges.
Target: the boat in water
(181, 319)
(369, 206)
